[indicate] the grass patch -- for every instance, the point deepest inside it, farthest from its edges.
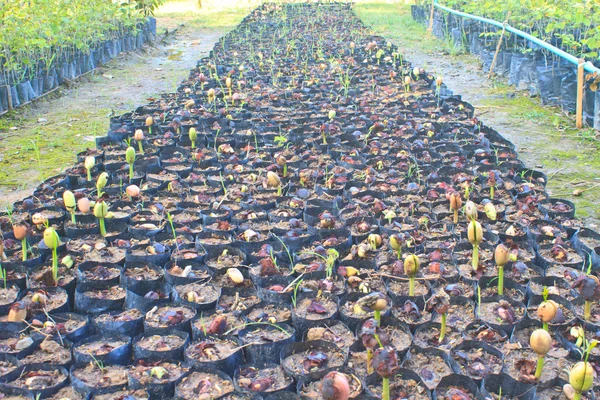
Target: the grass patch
(395, 22)
(212, 15)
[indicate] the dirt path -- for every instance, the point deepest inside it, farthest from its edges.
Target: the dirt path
(68, 123)
(544, 137)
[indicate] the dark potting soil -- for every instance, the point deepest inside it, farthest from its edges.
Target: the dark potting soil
(197, 293)
(316, 309)
(38, 379)
(408, 389)
(111, 293)
(47, 302)
(166, 316)
(101, 347)
(127, 315)
(43, 278)
(63, 325)
(212, 349)
(431, 368)
(50, 351)
(100, 376)
(500, 313)
(67, 393)
(265, 336)
(124, 395)
(314, 360)
(142, 273)
(335, 333)
(7, 367)
(269, 379)
(8, 295)
(161, 342)
(14, 345)
(521, 365)
(156, 373)
(270, 313)
(313, 390)
(477, 363)
(219, 323)
(202, 385)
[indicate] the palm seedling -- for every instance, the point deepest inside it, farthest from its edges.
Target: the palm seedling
(100, 211)
(540, 342)
(20, 233)
(70, 204)
(501, 258)
(411, 268)
(101, 183)
(89, 163)
(139, 137)
(130, 159)
(475, 236)
(52, 241)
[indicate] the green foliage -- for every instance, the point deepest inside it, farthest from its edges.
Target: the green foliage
(148, 7)
(36, 34)
(574, 25)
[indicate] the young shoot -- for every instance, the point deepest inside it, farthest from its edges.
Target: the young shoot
(3, 275)
(70, 204)
(411, 268)
(475, 236)
(540, 342)
(100, 211)
(193, 135)
(295, 293)
(52, 241)
(501, 258)
(130, 159)
(89, 163)
(546, 310)
(455, 205)
(438, 85)
(101, 183)
(149, 123)
(170, 219)
(20, 233)
(139, 137)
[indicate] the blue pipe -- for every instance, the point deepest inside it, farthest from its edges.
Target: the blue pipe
(588, 66)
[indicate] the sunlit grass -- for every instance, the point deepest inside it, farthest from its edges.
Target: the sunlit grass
(394, 21)
(214, 14)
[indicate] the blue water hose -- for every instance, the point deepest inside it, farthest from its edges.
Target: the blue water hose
(588, 66)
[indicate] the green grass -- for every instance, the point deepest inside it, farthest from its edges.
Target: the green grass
(213, 14)
(395, 22)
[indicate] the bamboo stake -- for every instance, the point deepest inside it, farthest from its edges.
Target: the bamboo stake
(499, 44)
(430, 29)
(579, 109)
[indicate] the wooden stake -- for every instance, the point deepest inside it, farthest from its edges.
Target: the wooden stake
(498, 45)
(579, 109)
(10, 103)
(430, 29)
